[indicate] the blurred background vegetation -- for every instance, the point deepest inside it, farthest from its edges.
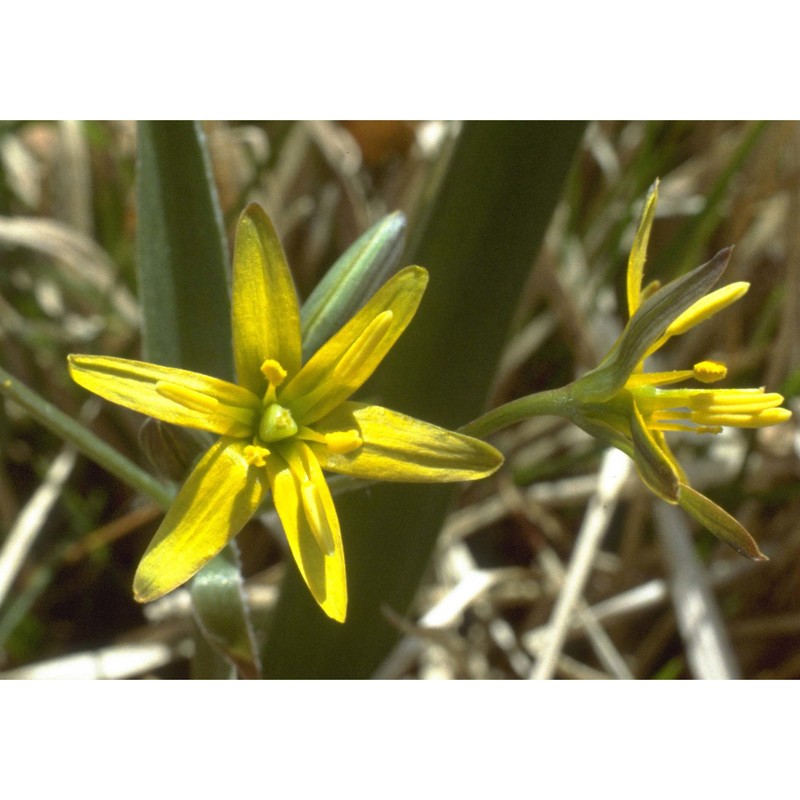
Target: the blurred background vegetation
(72, 534)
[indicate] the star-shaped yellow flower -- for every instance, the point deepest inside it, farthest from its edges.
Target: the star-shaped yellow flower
(282, 424)
(627, 407)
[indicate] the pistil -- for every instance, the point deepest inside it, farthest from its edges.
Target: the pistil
(276, 423)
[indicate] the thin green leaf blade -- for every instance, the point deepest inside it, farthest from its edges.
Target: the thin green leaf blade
(181, 252)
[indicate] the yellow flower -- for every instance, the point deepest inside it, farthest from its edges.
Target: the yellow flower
(282, 424)
(627, 407)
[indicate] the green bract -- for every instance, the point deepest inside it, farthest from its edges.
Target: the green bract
(283, 423)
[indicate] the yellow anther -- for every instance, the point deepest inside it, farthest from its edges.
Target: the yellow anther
(343, 441)
(188, 398)
(255, 455)
(273, 372)
(709, 371)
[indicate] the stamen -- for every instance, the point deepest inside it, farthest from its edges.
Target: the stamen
(310, 435)
(670, 422)
(710, 371)
(340, 442)
(349, 365)
(256, 455)
(638, 379)
(273, 372)
(337, 441)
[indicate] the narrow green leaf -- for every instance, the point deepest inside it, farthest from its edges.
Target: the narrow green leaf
(90, 445)
(181, 252)
(182, 257)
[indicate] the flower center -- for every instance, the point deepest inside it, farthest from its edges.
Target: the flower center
(276, 423)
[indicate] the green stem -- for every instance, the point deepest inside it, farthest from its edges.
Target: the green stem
(533, 405)
(84, 440)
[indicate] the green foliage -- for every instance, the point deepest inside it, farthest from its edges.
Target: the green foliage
(181, 252)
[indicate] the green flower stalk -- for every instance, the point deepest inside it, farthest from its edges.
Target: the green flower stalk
(624, 406)
(283, 423)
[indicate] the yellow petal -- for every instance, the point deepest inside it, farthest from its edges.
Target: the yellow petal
(707, 306)
(663, 445)
(346, 360)
(219, 497)
(172, 395)
(639, 250)
(400, 448)
(719, 522)
(266, 317)
(653, 464)
(701, 310)
(304, 503)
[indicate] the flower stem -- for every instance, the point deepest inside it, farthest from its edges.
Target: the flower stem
(84, 440)
(551, 401)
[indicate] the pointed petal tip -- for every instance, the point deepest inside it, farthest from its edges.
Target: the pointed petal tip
(724, 255)
(254, 210)
(719, 522)
(76, 360)
(397, 219)
(147, 588)
(253, 214)
(337, 614)
(145, 591)
(420, 273)
(72, 363)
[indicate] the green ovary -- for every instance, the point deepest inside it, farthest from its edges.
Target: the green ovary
(276, 423)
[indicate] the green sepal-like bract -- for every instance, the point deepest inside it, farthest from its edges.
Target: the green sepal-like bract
(355, 276)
